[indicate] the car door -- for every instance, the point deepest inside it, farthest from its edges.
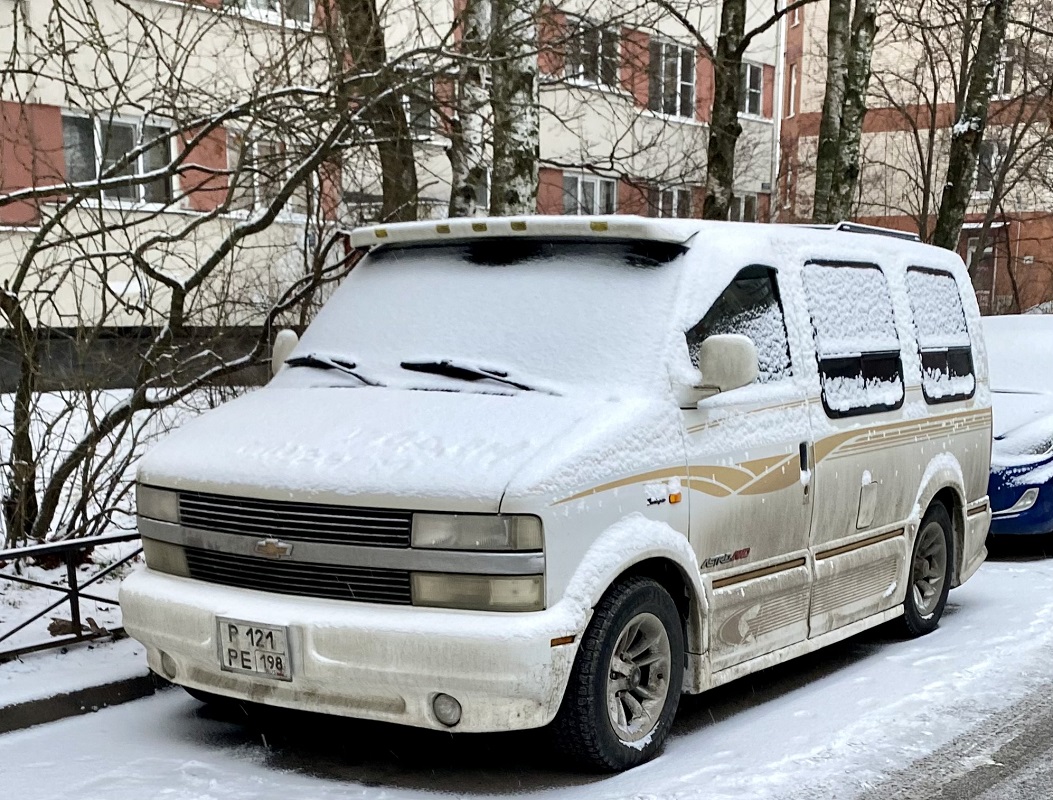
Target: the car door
(750, 509)
(865, 444)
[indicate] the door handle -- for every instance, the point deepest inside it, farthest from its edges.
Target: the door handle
(804, 453)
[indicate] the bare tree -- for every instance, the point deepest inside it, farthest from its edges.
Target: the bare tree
(968, 130)
(850, 43)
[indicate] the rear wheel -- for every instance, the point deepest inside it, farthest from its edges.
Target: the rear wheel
(930, 573)
(627, 678)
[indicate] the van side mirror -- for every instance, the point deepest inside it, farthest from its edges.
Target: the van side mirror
(284, 343)
(727, 361)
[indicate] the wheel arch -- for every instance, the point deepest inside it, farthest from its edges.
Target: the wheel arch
(944, 483)
(637, 546)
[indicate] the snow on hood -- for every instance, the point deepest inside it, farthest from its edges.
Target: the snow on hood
(446, 451)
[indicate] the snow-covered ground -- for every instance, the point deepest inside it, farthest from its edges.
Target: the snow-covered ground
(826, 726)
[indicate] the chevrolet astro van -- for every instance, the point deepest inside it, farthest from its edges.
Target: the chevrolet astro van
(555, 471)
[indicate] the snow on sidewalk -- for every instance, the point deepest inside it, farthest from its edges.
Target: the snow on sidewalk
(37, 676)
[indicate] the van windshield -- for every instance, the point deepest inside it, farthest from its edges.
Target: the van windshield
(548, 315)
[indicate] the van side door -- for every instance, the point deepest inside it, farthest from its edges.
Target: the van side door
(863, 459)
(750, 509)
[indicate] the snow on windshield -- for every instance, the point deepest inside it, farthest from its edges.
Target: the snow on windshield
(557, 315)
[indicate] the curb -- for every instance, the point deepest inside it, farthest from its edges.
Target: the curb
(83, 701)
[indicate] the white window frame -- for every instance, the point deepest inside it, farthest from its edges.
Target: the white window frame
(747, 93)
(598, 182)
(425, 126)
(574, 69)
(258, 200)
(791, 92)
(272, 12)
(999, 151)
(676, 195)
(138, 166)
(1005, 69)
(656, 78)
(740, 203)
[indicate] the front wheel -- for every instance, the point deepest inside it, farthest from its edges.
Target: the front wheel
(930, 573)
(626, 682)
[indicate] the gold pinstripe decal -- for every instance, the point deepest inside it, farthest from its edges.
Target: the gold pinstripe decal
(774, 473)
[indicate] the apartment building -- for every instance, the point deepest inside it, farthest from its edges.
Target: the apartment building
(1007, 239)
(144, 95)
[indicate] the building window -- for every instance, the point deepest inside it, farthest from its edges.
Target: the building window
(671, 203)
(671, 79)
(989, 165)
(276, 10)
(743, 208)
(791, 91)
(420, 112)
(259, 171)
(588, 194)
(593, 54)
(751, 89)
(1004, 71)
(96, 148)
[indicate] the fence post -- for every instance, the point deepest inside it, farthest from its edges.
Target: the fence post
(74, 595)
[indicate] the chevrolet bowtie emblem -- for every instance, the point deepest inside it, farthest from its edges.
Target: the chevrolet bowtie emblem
(272, 548)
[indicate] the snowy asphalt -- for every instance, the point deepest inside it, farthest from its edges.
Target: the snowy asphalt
(963, 713)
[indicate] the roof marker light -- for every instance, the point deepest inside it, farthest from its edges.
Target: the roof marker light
(479, 227)
(442, 228)
(598, 226)
(380, 233)
(518, 225)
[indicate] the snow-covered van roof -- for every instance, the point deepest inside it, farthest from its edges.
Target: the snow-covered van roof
(849, 239)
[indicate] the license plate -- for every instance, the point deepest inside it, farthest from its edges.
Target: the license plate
(254, 649)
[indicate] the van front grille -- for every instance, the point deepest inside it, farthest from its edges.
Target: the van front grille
(295, 522)
(335, 582)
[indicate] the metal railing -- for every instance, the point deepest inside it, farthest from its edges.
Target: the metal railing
(72, 593)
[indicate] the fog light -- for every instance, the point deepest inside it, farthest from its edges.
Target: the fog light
(447, 709)
(168, 666)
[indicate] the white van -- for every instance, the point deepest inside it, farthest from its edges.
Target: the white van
(554, 471)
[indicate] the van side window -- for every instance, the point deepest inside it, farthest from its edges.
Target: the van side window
(855, 338)
(749, 306)
(943, 338)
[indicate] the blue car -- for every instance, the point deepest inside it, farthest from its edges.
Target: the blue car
(1020, 357)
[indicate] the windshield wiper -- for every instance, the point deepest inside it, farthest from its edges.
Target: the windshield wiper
(318, 361)
(467, 372)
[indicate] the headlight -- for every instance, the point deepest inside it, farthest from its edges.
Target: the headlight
(476, 532)
(157, 503)
(479, 592)
(165, 557)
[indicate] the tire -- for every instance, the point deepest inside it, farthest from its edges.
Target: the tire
(589, 730)
(930, 573)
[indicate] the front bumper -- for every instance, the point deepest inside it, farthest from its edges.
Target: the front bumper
(362, 660)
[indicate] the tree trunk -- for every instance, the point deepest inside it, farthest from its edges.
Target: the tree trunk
(467, 135)
(20, 494)
(384, 111)
(724, 127)
(968, 132)
(514, 98)
(826, 159)
(853, 111)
